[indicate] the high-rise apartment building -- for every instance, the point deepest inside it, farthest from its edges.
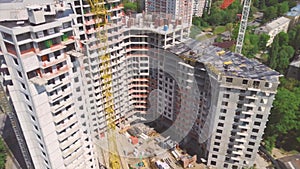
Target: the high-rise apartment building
(179, 8)
(201, 6)
(52, 69)
(220, 99)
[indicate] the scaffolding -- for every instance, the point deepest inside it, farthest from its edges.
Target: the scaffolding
(101, 20)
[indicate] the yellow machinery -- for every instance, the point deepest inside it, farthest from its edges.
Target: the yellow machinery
(100, 17)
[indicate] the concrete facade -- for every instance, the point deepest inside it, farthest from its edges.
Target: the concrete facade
(274, 27)
(179, 8)
(52, 71)
(235, 95)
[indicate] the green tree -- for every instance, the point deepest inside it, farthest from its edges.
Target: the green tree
(250, 47)
(3, 154)
(283, 38)
(229, 28)
(269, 13)
(272, 2)
(280, 52)
(283, 126)
(270, 142)
(263, 40)
(282, 8)
(196, 21)
(130, 6)
(284, 56)
(216, 17)
(262, 4)
(295, 37)
(273, 53)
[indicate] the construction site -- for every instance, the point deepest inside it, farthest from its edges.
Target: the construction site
(91, 87)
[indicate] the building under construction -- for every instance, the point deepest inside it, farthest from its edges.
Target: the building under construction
(77, 70)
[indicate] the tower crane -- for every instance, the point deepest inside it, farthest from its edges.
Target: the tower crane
(243, 26)
(101, 16)
(243, 23)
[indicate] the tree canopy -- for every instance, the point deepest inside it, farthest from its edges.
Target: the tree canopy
(273, 8)
(2, 154)
(283, 128)
(280, 53)
(253, 43)
(130, 5)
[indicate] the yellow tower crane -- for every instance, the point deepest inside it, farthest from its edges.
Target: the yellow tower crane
(101, 16)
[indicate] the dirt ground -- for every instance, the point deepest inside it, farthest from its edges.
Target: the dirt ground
(277, 153)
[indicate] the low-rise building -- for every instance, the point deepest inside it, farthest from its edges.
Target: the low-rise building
(294, 69)
(290, 162)
(274, 27)
(294, 15)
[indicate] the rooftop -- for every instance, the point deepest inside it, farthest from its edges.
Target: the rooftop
(226, 63)
(274, 24)
(159, 22)
(23, 21)
(295, 11)
(296, 62)
(290, 162)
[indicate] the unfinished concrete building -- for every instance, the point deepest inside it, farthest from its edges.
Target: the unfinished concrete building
(52, 71)
(225, 100)
(53, 75)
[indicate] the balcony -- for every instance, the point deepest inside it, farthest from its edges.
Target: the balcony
(52, 87)
(68, 132)
(60, 95)
(250, 104)
(27, 52)
(6, 77)
(251, 97)
(60, 59)
(248, 112)
(12, 51)
(66, 124)
(244, 126)
(243, 140)
(46, 51)
(240, 152)
(40, 39)
(68, 41)
(242, 133)
(56, 73)
(90, 22)
(62, 104)
(137, 49)
(254, 89)
(64, 114)
(73, 157)
(240, 146)
(236, 158)
(71, 149)
(69, 141)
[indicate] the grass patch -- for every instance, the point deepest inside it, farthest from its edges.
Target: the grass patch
(204, 37)
(219, 30)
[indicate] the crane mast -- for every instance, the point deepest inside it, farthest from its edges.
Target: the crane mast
(101, 16)
(243, 26)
